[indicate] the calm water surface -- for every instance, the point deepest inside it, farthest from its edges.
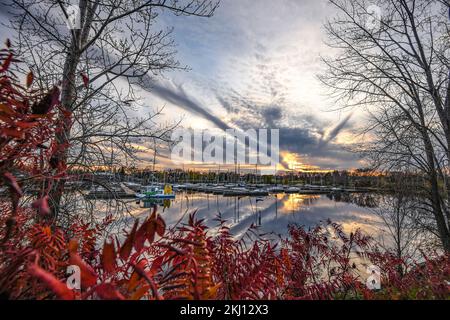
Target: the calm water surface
(273, 213)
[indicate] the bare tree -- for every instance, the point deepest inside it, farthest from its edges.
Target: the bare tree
(113, 47)
(397, 67)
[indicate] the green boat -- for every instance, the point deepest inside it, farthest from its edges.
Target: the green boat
(156, 192)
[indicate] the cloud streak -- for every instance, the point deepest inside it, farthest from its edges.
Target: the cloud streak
(336, 130)
(180, 98)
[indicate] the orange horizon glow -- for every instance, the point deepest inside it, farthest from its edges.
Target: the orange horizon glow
(295, 163)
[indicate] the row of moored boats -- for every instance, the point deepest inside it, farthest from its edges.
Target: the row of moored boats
(231, 190)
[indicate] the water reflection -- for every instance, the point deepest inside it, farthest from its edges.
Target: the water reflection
(375, 214)
(273, 213)
(294, 202)
(367, 200)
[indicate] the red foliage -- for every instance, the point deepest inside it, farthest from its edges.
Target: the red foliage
(155, 263)
(53, 284)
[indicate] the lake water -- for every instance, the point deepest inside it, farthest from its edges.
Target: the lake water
(273, 213)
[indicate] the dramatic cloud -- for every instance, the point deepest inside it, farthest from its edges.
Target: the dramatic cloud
(255, 65)
(336, 130)
(178, 97)
(260, 63)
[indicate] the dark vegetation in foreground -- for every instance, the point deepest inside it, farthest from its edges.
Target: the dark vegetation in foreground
(190, 263)
(186, 262)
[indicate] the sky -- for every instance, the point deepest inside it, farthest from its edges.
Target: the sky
(253, 65)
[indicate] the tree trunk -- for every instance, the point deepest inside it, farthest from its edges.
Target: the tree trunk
(435, 198)
(60, 157)
(68, 101)
(445, 173)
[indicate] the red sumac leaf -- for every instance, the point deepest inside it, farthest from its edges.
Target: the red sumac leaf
(7, 62)
(12, 183)
(160, 226)
(141, 236)
(151, 229)
(6, 109)
(141, 271)
(107, 291)
(135, 278)
(73, 246)
(30, 78)
(127, 246)
(41, 205)
(55, 93)
(7, 120)
(134, 281)
(109, 257)
(88, 275)
(13, 133)
(139, 293)
(67, 114)
(26, 125)
(51, 282)
(85, 79)
(156, 265)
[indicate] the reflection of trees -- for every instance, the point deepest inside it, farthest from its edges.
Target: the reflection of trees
(408, 225)
(366, 200)
(405, 215)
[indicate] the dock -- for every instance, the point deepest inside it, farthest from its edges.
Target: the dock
(116, 191)
(126, 190)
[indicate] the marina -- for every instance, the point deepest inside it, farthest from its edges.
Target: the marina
(157, 190)
(271, 214)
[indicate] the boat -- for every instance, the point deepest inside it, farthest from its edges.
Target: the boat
(234, 192)
(241, 192)
(179, 187)
(156, 192)
(133, 186)
(218, 190)
(292, 190)
(275, 189)
(259, 193)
